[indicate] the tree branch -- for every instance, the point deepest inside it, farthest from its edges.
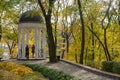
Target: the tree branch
(107, 12)
(109, 20)
(43, 9)
(51, 4)
(98, 40)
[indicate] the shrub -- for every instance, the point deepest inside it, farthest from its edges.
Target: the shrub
(94, 64)
(107, 66)
(15, 68)
(111, 66)
(116, 67)
(51, 73)
(22, 70)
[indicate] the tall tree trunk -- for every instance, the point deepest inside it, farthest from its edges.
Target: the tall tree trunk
(83, 32)
(67, 44)
(51, 43)
(106, 47)
(0, 32)
(0, 29)
(93, 54)
(10, 49)
(86, 55)
(63, 52)
(76, 58)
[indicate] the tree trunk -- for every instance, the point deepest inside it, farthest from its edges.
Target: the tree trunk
(51, 42)
(83, 32)
(63, 52)
(67, 44)
(0, 29)
(10, 49)
(0, 32)
(86, 55)
(92, 43)
(106, 47)
(76, 58)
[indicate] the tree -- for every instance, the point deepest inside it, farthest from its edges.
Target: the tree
(68, 12)
(47, 16)
(5, 6)
(10, 38)
(105, 26)
(92, 13)
(83, 32)
(9, 29)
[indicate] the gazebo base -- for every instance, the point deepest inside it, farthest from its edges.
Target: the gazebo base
(31, 59)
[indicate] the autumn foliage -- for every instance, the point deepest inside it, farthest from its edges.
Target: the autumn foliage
(15, 68)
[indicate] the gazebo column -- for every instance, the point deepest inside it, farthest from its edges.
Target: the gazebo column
(19, 44)
(44, 44)
(40, 38)
(36, 43)
(41, 41)
(27, 37)
(23, 39)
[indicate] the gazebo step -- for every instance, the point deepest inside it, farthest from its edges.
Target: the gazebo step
(31, 59)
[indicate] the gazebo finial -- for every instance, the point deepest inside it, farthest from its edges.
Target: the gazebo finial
(28, 6)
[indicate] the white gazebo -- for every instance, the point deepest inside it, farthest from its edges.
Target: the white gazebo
(31, 20)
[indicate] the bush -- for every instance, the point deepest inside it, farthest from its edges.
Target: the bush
(107, 66)
(116, 67)
(51, 73)
(94, 64)
(15, 68)
(111, 66)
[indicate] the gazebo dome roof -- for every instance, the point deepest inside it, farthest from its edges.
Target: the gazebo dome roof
(30, 16)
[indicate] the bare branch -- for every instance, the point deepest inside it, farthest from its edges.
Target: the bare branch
(107, 12)
(51, 4)
(109, 20)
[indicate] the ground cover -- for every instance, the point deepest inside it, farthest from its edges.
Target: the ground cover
(14, 71)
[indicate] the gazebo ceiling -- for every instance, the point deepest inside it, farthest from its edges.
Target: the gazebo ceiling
(31, 17)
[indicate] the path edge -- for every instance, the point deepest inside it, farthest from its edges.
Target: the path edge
(94, 71)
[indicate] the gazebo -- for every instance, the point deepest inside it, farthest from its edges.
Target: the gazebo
(31, 20)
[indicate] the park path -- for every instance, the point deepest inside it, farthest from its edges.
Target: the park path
(67, 68)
